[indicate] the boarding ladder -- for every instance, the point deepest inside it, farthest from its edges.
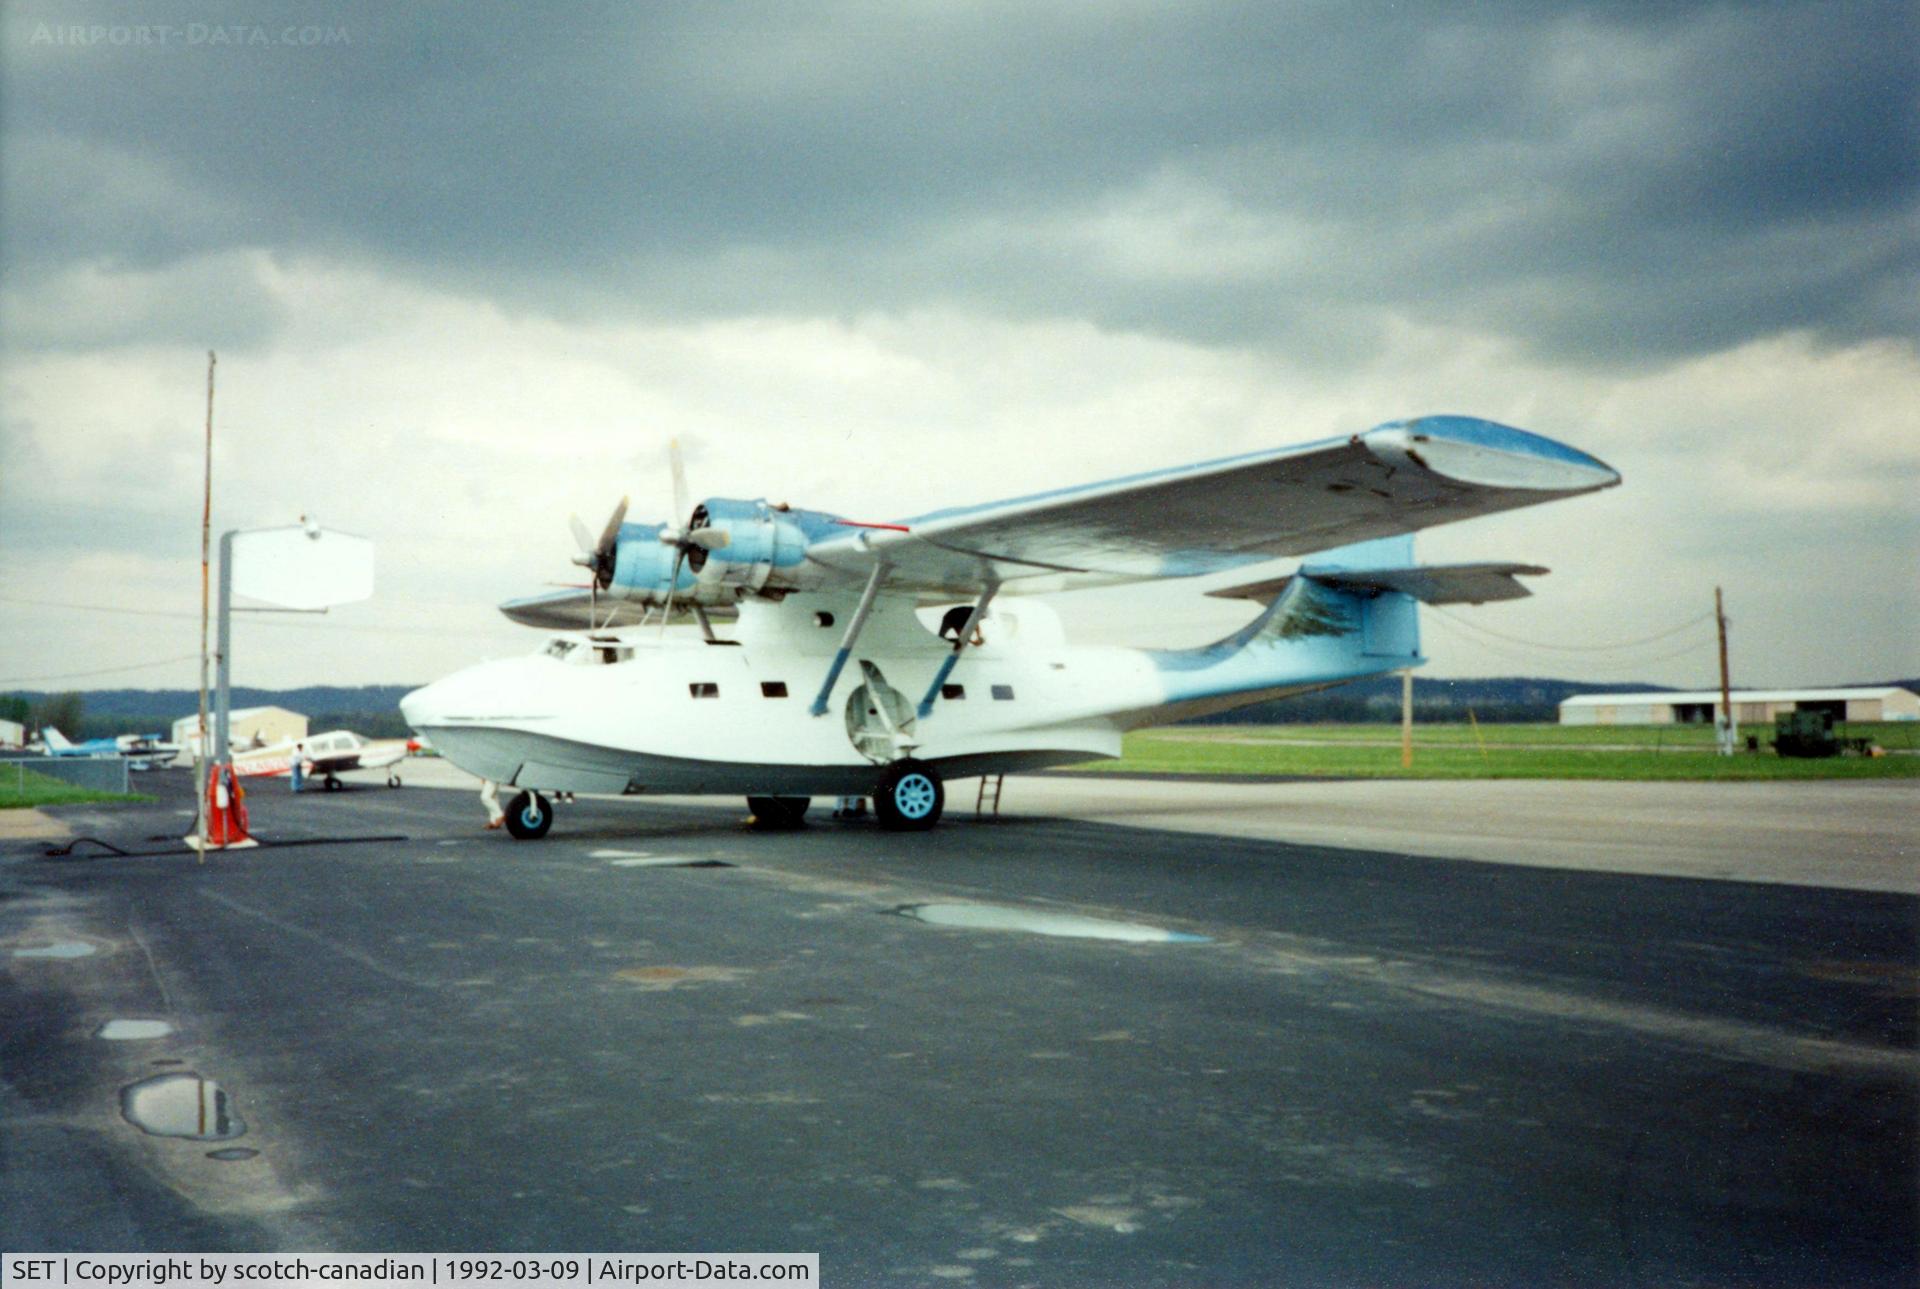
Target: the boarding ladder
(990, 785)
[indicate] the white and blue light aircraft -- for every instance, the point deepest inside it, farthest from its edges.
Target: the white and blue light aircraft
(833, 682)
(142, 751)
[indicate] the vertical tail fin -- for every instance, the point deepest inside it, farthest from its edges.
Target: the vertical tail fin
(55, 740)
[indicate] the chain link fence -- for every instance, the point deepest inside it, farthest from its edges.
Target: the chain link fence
(95, 773)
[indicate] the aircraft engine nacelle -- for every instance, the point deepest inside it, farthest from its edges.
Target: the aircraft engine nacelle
(643, 567)
(759, 542)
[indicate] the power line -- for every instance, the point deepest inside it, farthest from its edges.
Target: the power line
(1564, 648)
(373, 628)
(103, 671)
(1616, 664)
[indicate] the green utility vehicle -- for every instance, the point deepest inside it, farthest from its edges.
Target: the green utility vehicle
(1811, 734)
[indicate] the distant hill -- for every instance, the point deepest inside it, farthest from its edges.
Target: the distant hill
(370, 709)
(1504, 699)
(375, 709)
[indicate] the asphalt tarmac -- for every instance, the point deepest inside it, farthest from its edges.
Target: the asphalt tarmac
(656, 1030)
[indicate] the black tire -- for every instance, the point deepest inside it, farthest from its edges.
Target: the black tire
(529, 816)
(909, 797)
(393, 780)
(333, 784)
(778, 813)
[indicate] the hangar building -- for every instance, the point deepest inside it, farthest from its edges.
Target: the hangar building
(246, 727)
(1750, 706)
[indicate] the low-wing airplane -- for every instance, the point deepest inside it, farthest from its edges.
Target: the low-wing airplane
(327, 755)
(142, 751)
(765, 713)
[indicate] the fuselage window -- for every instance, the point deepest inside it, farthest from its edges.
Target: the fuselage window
(823, 619)
(773, 689)
(704, 689)
(1003, 693)
(953, 691)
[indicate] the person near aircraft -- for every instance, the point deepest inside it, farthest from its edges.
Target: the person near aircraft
(490, 798)
(296, 767)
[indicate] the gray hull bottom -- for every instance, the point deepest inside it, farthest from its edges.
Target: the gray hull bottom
(548, 764)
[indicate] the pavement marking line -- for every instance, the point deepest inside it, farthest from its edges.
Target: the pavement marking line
(1734, 1039)
(1744, 1040)
(313, 937)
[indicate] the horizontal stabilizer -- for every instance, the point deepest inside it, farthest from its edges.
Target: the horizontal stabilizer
(1430, 584)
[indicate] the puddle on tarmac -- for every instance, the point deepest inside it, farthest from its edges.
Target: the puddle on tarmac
(181, 1105)
(232, 1152)
(58, 949)
(997, 917)
(120, 1031)
(641, 859)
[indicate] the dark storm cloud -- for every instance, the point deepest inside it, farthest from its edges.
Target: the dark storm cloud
(1612, 182)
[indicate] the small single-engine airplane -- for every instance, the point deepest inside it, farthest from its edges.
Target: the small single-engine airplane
(765, 714)
(142, 751)
(326, 755)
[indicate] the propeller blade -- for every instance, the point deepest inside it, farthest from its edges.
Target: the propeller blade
(711, 539)
(599, 556)
(610, 535)
(682, 505)
(673, 581)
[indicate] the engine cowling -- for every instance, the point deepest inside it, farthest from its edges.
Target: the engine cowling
(760, 542)
(643, 567)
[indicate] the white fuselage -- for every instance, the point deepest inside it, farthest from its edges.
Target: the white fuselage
(638, 713)
(646, 714)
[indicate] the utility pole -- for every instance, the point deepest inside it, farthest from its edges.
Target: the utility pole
(1406, 718)
(1728, 729)
(206, 544)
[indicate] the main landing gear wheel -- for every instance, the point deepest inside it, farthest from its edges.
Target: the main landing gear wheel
(393, 780)
(909, 798)
(778, 813)
(529, 816)
(333, 784)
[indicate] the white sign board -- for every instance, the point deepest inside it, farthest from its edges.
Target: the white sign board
(302, 567)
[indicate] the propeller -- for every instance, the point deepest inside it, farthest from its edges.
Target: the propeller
(695, 533)
(691, 539)
(598, 557)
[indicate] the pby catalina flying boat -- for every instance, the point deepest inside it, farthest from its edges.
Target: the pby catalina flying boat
(831, 683)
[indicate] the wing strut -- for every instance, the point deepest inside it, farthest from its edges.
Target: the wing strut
(874, 579)
(959, 645)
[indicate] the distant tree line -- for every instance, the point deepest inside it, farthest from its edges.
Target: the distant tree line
(65, 712)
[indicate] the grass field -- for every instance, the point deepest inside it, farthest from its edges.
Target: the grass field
(20, 787)
(1497, 752)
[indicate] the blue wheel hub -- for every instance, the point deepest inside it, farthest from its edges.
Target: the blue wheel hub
(914, 796)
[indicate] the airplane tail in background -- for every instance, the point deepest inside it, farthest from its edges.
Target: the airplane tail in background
(55, 740)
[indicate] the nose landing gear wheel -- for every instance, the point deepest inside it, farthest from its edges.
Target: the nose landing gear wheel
(529, 816)
(909, 798)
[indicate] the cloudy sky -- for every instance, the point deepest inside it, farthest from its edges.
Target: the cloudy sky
(468, 267)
